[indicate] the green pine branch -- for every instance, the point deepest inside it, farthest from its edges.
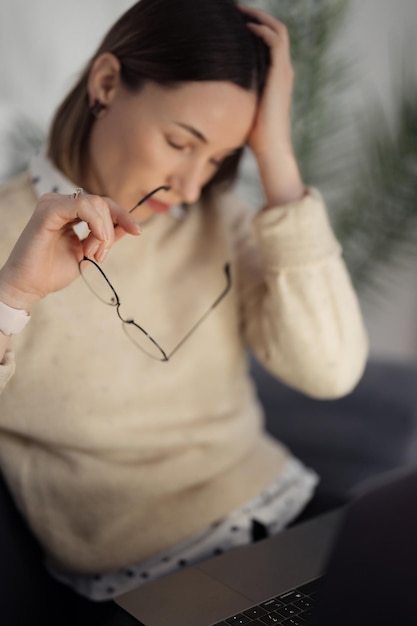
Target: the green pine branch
(22, 141)
(377, 220)
(372, 194)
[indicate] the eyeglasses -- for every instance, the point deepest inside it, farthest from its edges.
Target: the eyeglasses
(97, 281)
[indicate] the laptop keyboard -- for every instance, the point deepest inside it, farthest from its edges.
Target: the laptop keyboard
(292, 608)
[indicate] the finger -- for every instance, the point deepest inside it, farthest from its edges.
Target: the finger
(270, 37)
(278, 45)
(57, 212)
(91, 246)
(95, 212)
(116, 220)
(265, 21)
(106, 221)
(123, 222)
(100, 209)
(261, 16)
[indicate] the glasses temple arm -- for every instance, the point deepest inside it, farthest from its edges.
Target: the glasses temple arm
(148, 195)
(209, 310)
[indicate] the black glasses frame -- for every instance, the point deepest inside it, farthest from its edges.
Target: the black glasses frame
(164, 356)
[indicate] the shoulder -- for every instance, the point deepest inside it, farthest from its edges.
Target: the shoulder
(18, 187)
(17, 201)
(17, 197)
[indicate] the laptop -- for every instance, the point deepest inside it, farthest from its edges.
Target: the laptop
(353, 566)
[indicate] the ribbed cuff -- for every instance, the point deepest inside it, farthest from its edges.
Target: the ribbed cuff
(296, 234)
(7, 368)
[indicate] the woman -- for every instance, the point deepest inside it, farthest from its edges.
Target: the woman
(127, 467)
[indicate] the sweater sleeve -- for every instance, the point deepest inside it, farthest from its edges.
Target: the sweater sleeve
(300, 313)
(7, 368)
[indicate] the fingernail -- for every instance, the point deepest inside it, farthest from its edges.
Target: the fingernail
(91, 252)
(102, 255)
(104, 232)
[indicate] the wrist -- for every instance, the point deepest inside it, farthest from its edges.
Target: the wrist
(14, 297)
(281, 178)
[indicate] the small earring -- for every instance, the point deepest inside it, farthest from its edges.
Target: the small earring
(96, 108)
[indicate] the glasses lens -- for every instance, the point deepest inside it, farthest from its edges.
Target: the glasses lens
(144, 341)
(97, 282)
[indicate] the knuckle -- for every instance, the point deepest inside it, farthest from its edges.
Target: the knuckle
(92, 202)
(81, 202)
(46, 203)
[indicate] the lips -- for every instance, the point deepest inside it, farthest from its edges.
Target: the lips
(158, 207)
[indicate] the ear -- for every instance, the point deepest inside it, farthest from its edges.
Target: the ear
(104, 79)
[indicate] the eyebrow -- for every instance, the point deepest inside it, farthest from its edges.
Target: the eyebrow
(193, 131)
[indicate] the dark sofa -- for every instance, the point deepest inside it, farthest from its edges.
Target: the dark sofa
(351, 440)
(348, 442)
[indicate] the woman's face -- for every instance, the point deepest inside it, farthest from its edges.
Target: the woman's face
(166, 136)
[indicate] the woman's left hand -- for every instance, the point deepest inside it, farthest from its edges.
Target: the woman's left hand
(270, 137)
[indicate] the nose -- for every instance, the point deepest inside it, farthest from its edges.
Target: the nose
(187, 181)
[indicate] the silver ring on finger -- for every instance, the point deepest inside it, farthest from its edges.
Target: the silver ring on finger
(76, 193)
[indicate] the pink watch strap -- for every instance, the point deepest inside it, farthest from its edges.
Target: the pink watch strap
(12, 321)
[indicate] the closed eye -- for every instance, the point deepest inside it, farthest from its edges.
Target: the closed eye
(217, 163)
(174, 145)
(177, 146)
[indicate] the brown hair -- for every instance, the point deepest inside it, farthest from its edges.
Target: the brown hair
(168, 42)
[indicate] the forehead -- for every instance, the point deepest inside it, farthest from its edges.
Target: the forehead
(222, 112)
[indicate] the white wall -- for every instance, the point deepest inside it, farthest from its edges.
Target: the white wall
(378, 35)
(43, 46)
(44, 43)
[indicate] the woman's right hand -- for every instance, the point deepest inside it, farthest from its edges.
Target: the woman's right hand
(46, 256)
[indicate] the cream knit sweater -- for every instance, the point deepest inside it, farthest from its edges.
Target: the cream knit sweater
(112, 456)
